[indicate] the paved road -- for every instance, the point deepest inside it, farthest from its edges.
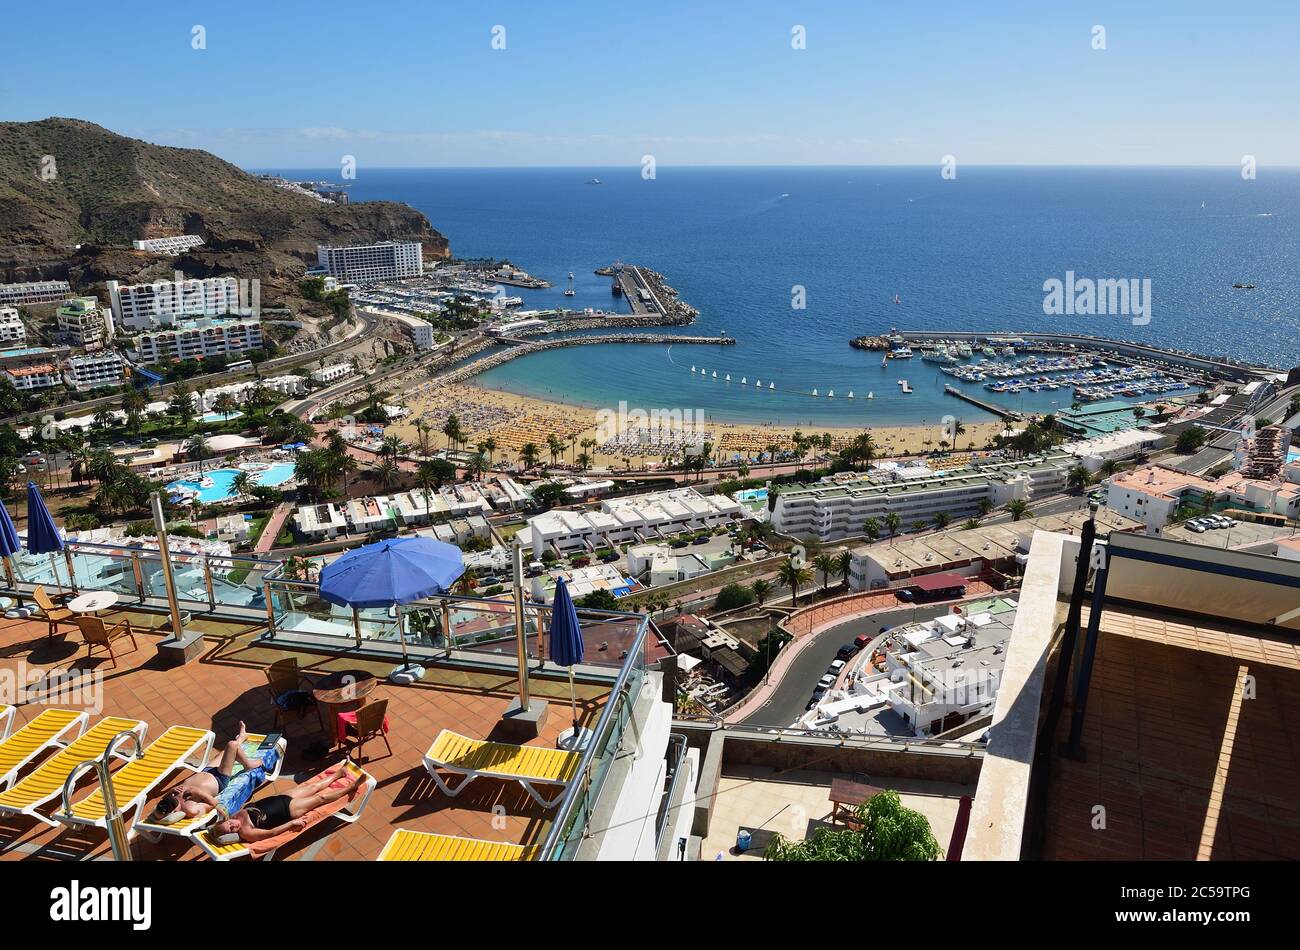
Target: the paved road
(792, 694)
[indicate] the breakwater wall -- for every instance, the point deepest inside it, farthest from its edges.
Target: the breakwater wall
(524, 348)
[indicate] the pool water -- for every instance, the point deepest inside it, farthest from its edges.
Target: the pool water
(751, 494)
(219, 417)
(224, 478)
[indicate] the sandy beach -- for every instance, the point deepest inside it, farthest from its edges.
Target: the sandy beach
(515, 420)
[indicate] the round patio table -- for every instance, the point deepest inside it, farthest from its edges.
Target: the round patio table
(342, 691)
(93, 603)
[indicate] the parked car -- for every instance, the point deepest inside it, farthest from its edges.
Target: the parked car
(835, 668)
(702, 539)
(846, 651)
(827, 681)
(861, 641)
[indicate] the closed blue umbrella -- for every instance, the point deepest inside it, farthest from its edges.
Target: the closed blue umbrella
(566, 638)
(42, 533)
(9, 543)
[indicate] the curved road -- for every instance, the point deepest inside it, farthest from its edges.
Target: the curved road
(791, 697)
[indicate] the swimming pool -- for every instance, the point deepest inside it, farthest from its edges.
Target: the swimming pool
(224, 478)
(219, 416)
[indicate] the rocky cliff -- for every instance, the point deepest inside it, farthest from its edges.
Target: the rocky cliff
(65, 183)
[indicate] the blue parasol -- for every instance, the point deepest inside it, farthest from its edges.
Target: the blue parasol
(566, 638)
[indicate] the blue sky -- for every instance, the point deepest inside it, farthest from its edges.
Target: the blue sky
(400, 83)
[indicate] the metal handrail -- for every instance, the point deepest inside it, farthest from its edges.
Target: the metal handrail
(603, 727)
(117, 836)
(674, 738)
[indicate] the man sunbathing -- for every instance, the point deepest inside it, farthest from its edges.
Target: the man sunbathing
(276, 814)
(198, 793)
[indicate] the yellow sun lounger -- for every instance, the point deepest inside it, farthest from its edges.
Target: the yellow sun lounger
(45, 782)
(477, 758)
(421, 846)
(180, 747)
(346, 810)
(49, 728)
(189, 826)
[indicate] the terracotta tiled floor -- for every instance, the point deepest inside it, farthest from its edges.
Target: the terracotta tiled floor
(228, 684)
(1184, 766)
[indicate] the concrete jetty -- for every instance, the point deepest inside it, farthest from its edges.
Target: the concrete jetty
(520, 347)
(986, 406)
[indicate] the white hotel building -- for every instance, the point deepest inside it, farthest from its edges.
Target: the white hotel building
(332, 373)
(94, 370)
(636, 518)
(362, 262)
(39, 291)
(831, 510)
(12, 330)
(198, 339)
(171, 246)
(142, 306)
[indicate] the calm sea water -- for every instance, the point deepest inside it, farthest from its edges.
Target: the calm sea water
(972, 253)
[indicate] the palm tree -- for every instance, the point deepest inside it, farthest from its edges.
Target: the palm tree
(490, 446)
(133, 404)
(388, 473)
(941, 519)
(762, 590)
(583, 461)
(1078, 478)
(528, 455)
(1109, 467)
(244, 483)
(843, 565)
(391, 447)
(555, 446)
(971, 523)
(1016, 507)
(792, 577)
(985, 506)
(226, 404)
(893, 522)
(451, 429)
(827, 565)
(871, 528)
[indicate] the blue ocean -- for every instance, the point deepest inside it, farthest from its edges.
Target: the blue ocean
(969, 253)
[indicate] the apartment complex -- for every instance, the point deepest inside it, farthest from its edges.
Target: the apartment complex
(81, 322)
(838, 506)
(331, 374)
(198, 339)
(363, 262)
(36, 376)
(1154, 495)
(93, 370)
(171, 246)
(11, 327)
(636, 518)
(39, 291)
(420, 332)
(142, 306)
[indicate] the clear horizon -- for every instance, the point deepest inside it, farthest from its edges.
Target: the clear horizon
(1018, 83)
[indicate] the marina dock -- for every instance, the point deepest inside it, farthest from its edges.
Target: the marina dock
(986, 406)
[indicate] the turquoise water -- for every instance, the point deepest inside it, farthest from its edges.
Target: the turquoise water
(224, 478)
(972, 254)
(219, 417)
(751, 494)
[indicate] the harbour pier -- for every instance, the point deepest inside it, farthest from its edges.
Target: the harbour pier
(523, 347)
(986, 406)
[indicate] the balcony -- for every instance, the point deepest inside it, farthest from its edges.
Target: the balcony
(251, 615)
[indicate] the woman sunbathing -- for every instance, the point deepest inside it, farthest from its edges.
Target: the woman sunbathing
(198, 793)
(276, 814)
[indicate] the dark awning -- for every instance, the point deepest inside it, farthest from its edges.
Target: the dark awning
(931, 582)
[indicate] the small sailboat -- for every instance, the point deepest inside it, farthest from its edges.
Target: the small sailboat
(715, 374)
(743, 380)
(896, 300)
(758, 382)
(569, 291)
(728, 377)
(830, 394)
(850, 394)
(771, 385)
(692, 369)
(871, 395)
(814, 392)
(884, 361)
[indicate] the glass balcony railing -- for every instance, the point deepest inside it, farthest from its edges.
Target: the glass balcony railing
(229, 585)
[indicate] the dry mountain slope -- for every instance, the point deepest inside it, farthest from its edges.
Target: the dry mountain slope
(110, 190)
